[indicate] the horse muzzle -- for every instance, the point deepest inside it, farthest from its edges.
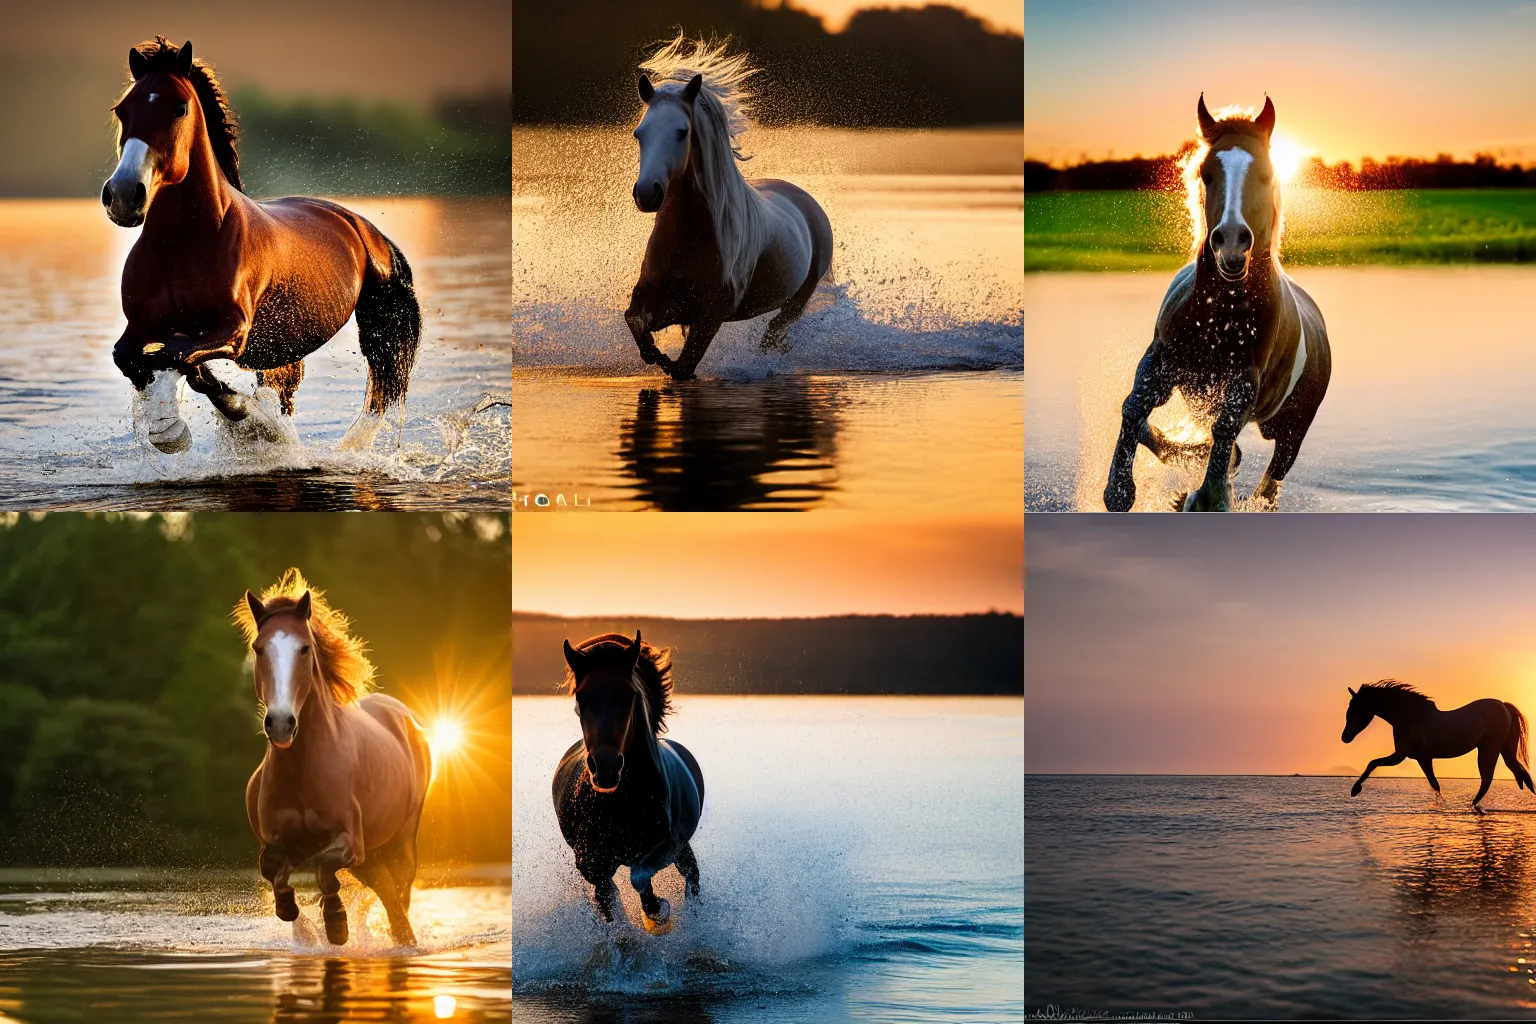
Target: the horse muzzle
(605, 771)
(280, 727)
(1232, 248)
(126, 193)
(648, 197)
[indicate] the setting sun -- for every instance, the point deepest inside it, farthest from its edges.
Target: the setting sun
(446, 737)
(1286, 155)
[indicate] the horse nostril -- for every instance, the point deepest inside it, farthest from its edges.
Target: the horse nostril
(656, 193)
(106, 194)
(1244, 238)
(268, 722)
(139, 194)
(619, 765)
(591, 764)
(1217, 238)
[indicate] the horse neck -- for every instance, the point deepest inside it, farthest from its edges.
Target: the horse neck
(685, 210)
(641, 747)
(320, 724)
(1401, 712)
(198, 202)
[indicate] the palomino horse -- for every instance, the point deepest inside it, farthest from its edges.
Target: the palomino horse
(229, 293)
(622, 795)
(1239, 339)
(346, 770)
(723, 248)
(1424, 732)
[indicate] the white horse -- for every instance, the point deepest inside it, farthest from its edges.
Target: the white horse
(723, 248)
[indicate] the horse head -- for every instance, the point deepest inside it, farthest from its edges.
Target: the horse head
(609, 700)
(287, 666)
(1356, 717)
(664, 134)
(1241, 194)
(158, 121)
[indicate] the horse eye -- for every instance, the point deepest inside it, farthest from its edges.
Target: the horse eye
(304, 649)
(259, 651)
(181, 111)
(682, 133)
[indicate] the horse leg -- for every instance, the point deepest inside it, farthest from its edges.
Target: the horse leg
(376, 875)
(604, 892)
(389, 334)
(1153, 386)
(1380, 762)
(638, 317)
(339, 854)
(1286, 428)
(1487, 760)
(688, 867)
(158, 387)
(284, 380)
(658, 912)
(274, 867)
(699, 337)
(1428, 766)
(1511, 753)
(1215, 493)
(232, 390)
(773, 337)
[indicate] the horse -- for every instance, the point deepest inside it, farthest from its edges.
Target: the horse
(1241, 341)
(622, 795)
(346, 769)
(723, 248)
(1424, 732)
(231, 294)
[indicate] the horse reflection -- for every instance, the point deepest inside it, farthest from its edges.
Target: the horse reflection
(1482, 871)
(335, 990)
(716, 446)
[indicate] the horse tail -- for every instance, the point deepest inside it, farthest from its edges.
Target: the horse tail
(1516, 756)
(388, 328)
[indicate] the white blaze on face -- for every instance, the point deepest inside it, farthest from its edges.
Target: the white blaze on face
(1235, 163)
(135, 163)
(283, 657)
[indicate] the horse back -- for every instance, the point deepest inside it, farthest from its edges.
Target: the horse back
(816, 221)
(685, 787)
(400, 724)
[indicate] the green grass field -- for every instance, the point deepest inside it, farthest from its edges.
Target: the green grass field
(1150, 230)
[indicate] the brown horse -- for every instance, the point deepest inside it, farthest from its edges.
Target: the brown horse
(229, 293)
(723, 248)
(1424, 732)
(346, 770)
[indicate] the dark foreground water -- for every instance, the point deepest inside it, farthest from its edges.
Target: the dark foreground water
(1278, 898)
(860, 861)
(128, 946)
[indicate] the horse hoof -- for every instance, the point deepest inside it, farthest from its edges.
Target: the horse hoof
(287, 906)
(174, 440)
(336, 927)
(661, 924)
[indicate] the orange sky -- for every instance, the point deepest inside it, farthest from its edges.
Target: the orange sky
(1377, 77)
(1166, 644)
(732, 565)
(1003, 14)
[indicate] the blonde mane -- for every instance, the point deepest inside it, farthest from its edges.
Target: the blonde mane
(1189, 165)
(721, 116)
(343, 657)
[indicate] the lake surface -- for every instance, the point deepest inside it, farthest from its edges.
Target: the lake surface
(902, 385)
(1427, 410)
(1275, 898)
(187, 945)
(66, 432)
(860, 859)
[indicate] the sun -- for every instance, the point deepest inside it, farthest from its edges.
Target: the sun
(1286, 155)
(446, 738)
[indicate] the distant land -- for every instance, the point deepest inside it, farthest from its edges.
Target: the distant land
(953, 655)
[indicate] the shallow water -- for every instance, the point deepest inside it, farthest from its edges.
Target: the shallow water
(188, 945)
(860, 860)
(1243, 897)
(66, 432)
(913, 347)
(1427, 409)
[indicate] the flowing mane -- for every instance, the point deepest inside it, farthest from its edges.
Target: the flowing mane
(721, 116)
(653, 672)
(1235, 120)
(343, 657)
(220, 119)
(1391, 691)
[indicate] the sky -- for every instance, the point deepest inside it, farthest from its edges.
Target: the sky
(1348, 79)
(1199, 645)
(1001, 14)
(728, 565)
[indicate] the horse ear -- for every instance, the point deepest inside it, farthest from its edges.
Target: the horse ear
(1207, 122)
(1266, 118)
(647, 90)
(574, 659)
(258, 610)
(184, 59)
(691, 90)
(137, 65)
(634, 651)
(1351, 690)
(302, 608)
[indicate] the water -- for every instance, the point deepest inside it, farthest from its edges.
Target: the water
(66, 433)
(1425, 411)
(860, 861)
(1279, 897)
(204, 945)
(913, 351)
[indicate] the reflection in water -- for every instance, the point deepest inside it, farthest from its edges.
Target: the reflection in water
(711, 446)
(335, 990)
(581, 1010)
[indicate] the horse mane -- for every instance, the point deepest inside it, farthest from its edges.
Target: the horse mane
(217, 115)
(1395, 692)
(721, 116)
(343, 657)
(653, 671)
(1234, 120)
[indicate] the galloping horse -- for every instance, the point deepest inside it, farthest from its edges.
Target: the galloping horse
(1424, 732)
(1239, 339)
(229, 293)
(723, 248)
(346, 770)
(622, 795)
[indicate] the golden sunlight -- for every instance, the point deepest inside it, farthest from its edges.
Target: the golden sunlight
(1286, 155)
(446, 738)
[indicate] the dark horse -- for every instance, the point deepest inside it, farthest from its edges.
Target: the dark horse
(723, 248)
(1424, 732)
(622, 795)
(1239, 339)
(229, 293)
